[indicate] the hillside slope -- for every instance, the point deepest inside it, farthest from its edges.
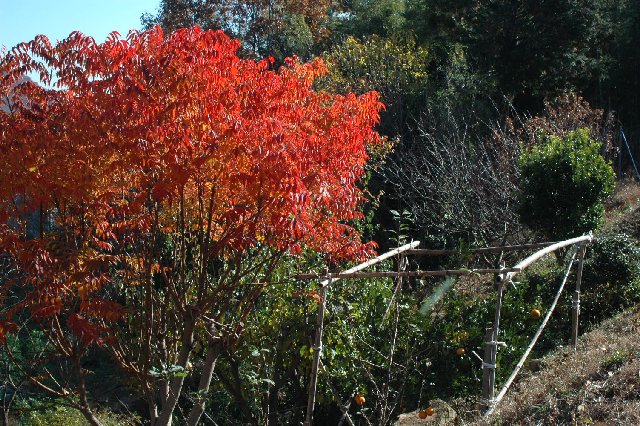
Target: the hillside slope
(599, 384)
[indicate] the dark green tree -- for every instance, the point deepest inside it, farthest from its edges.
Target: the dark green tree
(533, 49)
(279, 28)
(368, 17)
(621, 90)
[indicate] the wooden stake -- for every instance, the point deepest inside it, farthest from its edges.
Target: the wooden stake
(488, 368)
(491, 348)
(575, 300)
(317, 351)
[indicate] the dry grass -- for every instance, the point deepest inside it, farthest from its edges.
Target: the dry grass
(623, 208)
(597, 385)
(627, 193)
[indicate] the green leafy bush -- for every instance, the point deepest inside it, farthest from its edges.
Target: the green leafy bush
(66, 416)
(564, 184)
(611, 278)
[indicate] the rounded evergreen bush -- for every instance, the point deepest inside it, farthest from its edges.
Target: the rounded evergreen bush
(564, 183)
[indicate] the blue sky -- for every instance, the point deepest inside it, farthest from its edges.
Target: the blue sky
(22, 20)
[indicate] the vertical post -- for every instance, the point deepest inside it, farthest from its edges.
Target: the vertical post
(619, 154)
(575, 299)
(402, 265)
(385, 412)
(491, 348)
(317, 351)
(488, 376)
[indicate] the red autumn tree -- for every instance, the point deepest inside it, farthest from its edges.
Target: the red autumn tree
(149, 188)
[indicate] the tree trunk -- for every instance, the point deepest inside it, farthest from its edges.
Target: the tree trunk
(153, 408)
(82, 391)
(175, 388)
(213, 352)
(233, 385)
(91, 418)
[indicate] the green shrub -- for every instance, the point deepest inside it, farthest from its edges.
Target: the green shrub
(67, 416)
(611, 278)
(613, 257)
(564, 184)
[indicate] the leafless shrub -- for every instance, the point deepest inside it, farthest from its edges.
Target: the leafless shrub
(458, 178)
(567, 113)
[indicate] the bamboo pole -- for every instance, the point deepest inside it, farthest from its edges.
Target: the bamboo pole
(360, 267)
(385, 412)
(550, 249)
(394, 274)
(491, 347)
(488, 369)
(324, 285)
(495, 249)
(317, 351)
(513, 375)
(575, 299)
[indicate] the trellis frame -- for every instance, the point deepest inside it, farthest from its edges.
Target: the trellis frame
(503, 276)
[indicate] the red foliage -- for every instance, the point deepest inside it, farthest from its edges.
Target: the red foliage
(170, 134)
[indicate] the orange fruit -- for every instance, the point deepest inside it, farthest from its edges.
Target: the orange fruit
(535, 313)
(460, 351)
(360, 400)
